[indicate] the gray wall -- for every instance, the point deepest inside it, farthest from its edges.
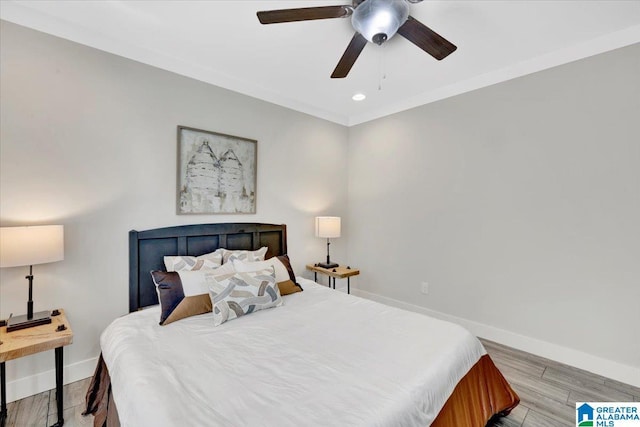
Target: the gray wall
(519, 204)
(88, 140)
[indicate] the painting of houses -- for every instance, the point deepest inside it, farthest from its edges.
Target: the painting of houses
(216, 173)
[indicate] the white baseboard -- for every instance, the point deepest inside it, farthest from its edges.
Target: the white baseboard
(43, 381)
(597, 365)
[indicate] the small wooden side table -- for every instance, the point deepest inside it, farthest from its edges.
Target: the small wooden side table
(34, 340)
(340, 272)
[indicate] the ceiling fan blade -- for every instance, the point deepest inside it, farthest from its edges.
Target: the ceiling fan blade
(426, 39)
(303, 14)
(357, 43)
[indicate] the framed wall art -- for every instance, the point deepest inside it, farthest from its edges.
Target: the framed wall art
(216, 173)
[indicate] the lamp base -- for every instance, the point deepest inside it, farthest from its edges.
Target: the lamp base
(15, 323)
(325, 265)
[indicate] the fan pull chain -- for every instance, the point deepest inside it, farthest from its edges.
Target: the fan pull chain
(382, 68)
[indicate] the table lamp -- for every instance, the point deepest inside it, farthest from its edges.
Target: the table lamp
(22, 246)
(328, 227)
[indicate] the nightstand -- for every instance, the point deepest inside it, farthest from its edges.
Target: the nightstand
(340, 272)
(34, 340)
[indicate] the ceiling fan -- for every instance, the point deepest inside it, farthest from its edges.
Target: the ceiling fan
(375, 21)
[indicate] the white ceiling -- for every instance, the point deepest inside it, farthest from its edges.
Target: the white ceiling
(222, 42)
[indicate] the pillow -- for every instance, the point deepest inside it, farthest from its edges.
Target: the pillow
(284, 273)
(188, 263)
(186, 293)
(284, 259)
(249, 256)
(243, 293)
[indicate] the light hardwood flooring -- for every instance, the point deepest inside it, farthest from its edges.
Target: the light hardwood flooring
(548, 392)
(40, 410)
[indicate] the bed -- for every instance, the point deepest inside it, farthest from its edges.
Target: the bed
(321, 358)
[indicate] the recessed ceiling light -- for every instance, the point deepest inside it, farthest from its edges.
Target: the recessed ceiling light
(358, 96)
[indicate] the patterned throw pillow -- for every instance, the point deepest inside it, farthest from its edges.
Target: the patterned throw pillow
(284, 273)
(249, 256)
(189, 263)
(244, 293)
(186, 293)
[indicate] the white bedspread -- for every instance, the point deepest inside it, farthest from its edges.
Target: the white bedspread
(324, 358)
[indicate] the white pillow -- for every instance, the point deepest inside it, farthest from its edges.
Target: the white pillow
(250, 256)
(245, 267)
(190, 263)
(285, 277)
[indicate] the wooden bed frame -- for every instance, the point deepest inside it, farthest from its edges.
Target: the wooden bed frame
(147, 249)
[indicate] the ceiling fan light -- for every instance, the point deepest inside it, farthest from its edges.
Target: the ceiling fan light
(379, 20)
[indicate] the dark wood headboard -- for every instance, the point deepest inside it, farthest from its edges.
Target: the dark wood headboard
(147, 249)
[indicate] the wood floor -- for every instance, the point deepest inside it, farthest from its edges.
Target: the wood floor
(40, 410)
(548, 392)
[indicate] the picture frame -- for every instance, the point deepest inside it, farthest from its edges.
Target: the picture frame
(217, 173)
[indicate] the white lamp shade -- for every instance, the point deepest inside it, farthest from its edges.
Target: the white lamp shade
(31, 245)
(328, 226)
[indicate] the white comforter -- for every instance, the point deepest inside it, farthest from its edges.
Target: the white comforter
(324, 358)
